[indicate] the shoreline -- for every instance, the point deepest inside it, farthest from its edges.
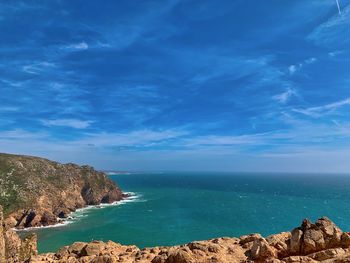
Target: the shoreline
(72, 218)
(321, 241)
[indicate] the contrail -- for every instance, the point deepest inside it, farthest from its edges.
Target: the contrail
(338, 6)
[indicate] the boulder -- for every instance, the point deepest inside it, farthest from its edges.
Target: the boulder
(331, 233)
(249, 238)
(179, 256)
(262, 250)
(280, 243)
(327, 254)
(313, 241)
(75, 248)
(345, 239)
(295, 241)
(95, 248)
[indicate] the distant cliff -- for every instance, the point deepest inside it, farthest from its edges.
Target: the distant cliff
(37, 192)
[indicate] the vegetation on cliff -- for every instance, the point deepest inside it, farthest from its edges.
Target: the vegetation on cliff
(36, 191)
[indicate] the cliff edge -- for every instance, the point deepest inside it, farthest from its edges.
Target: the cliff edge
(38, 192)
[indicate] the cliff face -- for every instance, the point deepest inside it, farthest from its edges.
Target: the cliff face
(36, 192)
(322, 241)
(12, 248)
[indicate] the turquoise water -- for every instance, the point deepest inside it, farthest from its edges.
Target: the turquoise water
(175, 208)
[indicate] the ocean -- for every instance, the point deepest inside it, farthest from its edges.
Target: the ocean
(176, 208)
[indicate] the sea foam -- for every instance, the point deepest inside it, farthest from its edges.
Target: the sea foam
(82, 212)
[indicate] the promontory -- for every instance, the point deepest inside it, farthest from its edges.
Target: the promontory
(39, 192)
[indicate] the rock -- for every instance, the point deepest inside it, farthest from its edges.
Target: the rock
(28, 247)
(179, 256)
(345, 239)
(331, 233)
(64, 251)
(198, 246)
(299, 259)
(280, 243)
(10, 222)
(76, 248)
(295, 241)
(327, 254)
(93, 248)
(12, 246)
(313, 241)
(262, 250)
(249, 238)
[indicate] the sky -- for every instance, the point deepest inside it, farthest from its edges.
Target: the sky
(231, 85)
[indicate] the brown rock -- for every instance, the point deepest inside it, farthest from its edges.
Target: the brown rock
(198, 246)
(280, 243)
(12, 246)
(179, 256)
(327, 254)
(331, 233)
(10, 222)
(298, 259)
(94, 248)
(249, 238)
(28, 247)
(345, 239)
(313, 241)
(75, 248)
(262, 250)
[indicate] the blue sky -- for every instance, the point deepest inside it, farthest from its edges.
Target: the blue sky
(243, 85)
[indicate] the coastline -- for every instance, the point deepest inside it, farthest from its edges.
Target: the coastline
(322, 241)
(73, 216)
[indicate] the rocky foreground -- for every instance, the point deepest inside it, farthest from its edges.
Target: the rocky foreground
(39, 192)
(322, 241)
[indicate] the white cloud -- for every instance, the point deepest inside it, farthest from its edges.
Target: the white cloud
(136, 138)
(334, 53)
(73, 123)
(77, 46)
(38, 67)
(184, 150)
(310, 60)
(333, 31)
(292, 69)
(322, 110)
(285, 96)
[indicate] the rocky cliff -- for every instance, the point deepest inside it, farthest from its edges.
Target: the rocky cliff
(36, 192)
(12, 248)
(322, 241)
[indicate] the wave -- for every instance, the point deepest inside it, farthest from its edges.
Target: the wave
(118, 173)
(61, 223)
(81, 212)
